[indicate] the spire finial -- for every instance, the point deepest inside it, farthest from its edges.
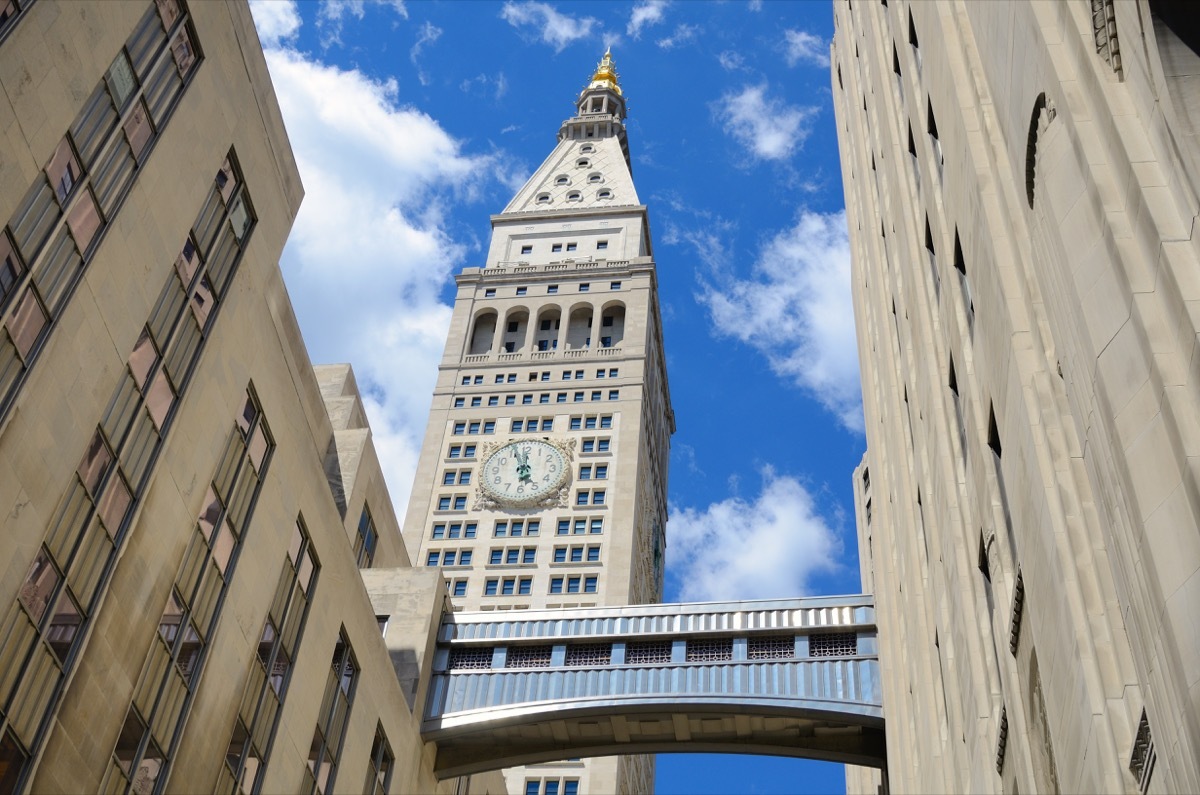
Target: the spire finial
(606, 75)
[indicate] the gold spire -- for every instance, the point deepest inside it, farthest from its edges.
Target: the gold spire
(606, 73)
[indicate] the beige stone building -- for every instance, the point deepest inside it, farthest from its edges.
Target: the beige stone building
(1022, 183)
(186, 505)
(542, 479)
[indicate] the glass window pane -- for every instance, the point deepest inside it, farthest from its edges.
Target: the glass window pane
(159, 399)
(63, 170)
(259, 444)
(138, 130)
(222, 548)
(183, 51)
(114, 504)
(142, 359)
(84, 221)
(168, 625)
(120, 80)
(12, 762)
(226, 180)
(297, 540)
(249, 412)
(94, 464)
(304, 575)
(26, 323)
(64, 626)
(187, 262)
(209, 514)
(237, 744)
(168, 12)
(203, 301)
(10, 267)
(129, 740)
(39, 586)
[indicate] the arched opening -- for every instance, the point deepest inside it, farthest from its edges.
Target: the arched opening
(612, 326)
(483, 334)
(579, 328)
(516, 324)
(1035, 122)
(549, 320)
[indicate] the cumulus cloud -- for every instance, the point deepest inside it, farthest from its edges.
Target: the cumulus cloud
(766, 547)
(369, 252)
(646, 13)
(801, 46)
(769, 128)
(682, 35)
(554, 28)
(276, 22)
(428, 34)
(796, 310)
(731, 61)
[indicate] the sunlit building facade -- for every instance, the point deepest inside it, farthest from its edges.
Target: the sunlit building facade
(543, 475)
(1022, 181)
(187, 505)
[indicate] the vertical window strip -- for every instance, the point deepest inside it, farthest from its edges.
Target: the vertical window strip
(258, 714)
(84, 540)
(326, 750)
(50, 240)
(150, 737)
(11, 13)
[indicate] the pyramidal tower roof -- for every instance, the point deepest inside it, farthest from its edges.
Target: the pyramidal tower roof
(590, 167)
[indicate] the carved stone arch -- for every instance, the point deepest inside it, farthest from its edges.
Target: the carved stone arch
(483, 332)
(514, 330)
(612, 324)
(547, 327)
(1039, 120)
(579, 325)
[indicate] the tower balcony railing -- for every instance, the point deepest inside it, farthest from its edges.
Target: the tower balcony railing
(504, 267)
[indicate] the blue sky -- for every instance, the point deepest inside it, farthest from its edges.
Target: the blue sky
(413, 121)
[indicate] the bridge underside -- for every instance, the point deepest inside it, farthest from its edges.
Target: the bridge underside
(503, 738)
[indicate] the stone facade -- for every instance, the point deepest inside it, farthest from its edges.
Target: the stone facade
(182, 495)
(559, 328)
(1022, 182)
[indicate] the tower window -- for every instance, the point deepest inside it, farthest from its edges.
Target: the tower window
(574, 196)
(604, 194)
(522, 290)
(555, 248)
(583, 288)
(594, 177)
(587, 149)
(543, 198)
(562, 179)
(526, 249)
(601, 245)
(582, 162)
(571, 246)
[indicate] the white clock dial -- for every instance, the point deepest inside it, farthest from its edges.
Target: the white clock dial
(524, 471)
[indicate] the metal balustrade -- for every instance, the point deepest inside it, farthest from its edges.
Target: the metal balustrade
(796, 677)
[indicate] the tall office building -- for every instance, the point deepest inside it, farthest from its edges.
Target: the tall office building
(543, 475)
(185, 505)
(1022, 182)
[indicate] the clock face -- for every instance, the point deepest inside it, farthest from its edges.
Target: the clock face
(524, 471)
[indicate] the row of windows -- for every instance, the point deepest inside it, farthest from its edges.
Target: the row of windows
(461, 451)
(532, 426)
(517, 528)
(567, 375)
(551, 786)
(458, 501)
(573, 584)
(575, 195)
(461, 477)
(551, 289)
(513, 556)
(601, 444)
(656, 652)
(556, 248)
(508, 586)
(592, 497)
(527, 400)
(488, 426)
(591, 422)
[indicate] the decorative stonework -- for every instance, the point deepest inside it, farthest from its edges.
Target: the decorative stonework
(555, 498)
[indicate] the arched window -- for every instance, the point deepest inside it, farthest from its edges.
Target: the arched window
(574, 196)
(483, 334)
(612, 325)
(516, 323)
(587, 149)
(562, 179)
(1040, 107)
(604, 194)
(549, 321)
(582, 162)
(543, 198)
(579, 329)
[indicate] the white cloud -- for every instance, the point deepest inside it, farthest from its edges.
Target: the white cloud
(796, 310)
(769, 128)
(485, 84)
(682, 35)
(646, 13)
(369, 252)
(731, 61)
(557, 30)
(428, 34)
(331, 13)
(801, 46)
(769, 547)
(755, 5)
(276, 20)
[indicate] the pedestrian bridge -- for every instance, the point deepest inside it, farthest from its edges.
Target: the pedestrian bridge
(788, 677)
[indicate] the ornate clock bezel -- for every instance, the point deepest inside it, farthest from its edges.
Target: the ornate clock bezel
(554, 497)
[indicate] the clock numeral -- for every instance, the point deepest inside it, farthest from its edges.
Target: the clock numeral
(497, 479)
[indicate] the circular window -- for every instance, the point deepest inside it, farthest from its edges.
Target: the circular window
(543, 198)
(574, 196)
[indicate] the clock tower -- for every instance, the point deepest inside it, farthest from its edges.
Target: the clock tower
(542, 480)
